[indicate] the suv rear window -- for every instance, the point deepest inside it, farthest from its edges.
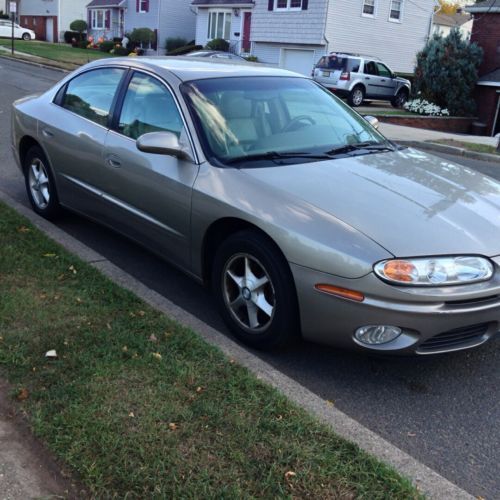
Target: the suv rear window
(333, 62)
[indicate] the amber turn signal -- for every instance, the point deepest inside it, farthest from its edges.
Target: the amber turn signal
(345, 293)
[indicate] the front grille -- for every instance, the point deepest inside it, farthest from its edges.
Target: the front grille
(454, 339)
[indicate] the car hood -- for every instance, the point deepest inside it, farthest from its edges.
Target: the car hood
(409, 202)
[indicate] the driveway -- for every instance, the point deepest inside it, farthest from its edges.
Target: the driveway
(443, 410)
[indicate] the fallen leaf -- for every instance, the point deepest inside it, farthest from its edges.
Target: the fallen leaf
(79, 300)
(49, 255)
(411, 434)
(22, 394)
(290, 474)
(152, 338)
(72, 269)
(232, 361)
(108, 326)
(124, 348)
(131, 414)
(51, 354)
(199, 389)
(279, 417)
(141, 313)
(330, 403)
(173, 426)
(23, 229)
(156, 355)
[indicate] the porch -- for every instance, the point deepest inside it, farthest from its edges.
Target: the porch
(106, 19)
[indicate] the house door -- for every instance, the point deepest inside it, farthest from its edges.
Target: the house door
(245, 40)
(49, 29)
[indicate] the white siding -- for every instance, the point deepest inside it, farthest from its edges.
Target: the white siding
(177, 19)
(396, 43)
(70, 11)
(202, 27)
(134, 19)
(301, 27)
(272, 53)
(39, 7)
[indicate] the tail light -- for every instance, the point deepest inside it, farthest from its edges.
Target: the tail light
(345, 76)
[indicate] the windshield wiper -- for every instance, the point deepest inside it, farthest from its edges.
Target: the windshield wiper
(274, 155)
(360, 146)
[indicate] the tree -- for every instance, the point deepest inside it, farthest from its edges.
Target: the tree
(446, 72)
(80, 26)
(142, 37)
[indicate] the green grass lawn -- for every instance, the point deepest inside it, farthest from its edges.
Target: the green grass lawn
(55, 51)
(470, 146)
(140, 407)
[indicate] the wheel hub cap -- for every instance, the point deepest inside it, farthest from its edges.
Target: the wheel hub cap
(247, 294)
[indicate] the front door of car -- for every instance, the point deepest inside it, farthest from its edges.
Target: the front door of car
(386, 81)
(149, 193)
(73, 133)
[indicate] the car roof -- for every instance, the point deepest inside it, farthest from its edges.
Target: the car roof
(351, 54)
(193, 68)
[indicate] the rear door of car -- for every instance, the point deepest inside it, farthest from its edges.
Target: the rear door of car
(73, 134)
(150, 194)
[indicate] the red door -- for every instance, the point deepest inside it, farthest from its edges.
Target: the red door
(245, 42)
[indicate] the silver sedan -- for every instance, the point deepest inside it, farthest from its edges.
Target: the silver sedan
(301, 217)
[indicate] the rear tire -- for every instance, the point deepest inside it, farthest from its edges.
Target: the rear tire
(40, 185)
(356, 96)
(26, 37)
(255, 291)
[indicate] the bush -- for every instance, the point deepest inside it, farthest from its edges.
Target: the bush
(106, 46)
(78, 25)
(252, 58)
(446, 73)
(184, 50)
(423, 107)
(70, 35)
(142, 36)
(81, 44)
(121, 51)
(175, 43)
(3, 16)
(218, 44)
(117, 39)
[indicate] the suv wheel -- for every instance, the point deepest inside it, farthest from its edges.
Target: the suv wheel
(399, 100)
(356, 96)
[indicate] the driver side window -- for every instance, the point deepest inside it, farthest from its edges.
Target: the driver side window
(370, 68)
(148, 107)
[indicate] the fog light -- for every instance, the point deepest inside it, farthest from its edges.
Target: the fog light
(377, 334)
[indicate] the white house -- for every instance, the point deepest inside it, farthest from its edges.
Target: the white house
(167, 18)
(295, 33)
(50, 19)
(444, 23)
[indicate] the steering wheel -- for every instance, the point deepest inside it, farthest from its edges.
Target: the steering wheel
(297, 121)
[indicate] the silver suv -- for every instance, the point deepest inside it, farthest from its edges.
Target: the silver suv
(360, 77)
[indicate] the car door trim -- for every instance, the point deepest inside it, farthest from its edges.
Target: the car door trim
(122, 204)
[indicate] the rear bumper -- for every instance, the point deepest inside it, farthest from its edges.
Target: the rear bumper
(432, 322)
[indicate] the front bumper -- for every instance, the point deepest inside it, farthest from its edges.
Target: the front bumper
(433, 321)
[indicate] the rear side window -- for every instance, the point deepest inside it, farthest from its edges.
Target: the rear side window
(91, 94)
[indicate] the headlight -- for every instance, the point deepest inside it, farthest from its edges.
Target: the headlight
(435, 271)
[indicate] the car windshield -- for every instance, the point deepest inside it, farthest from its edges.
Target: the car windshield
(266, 118)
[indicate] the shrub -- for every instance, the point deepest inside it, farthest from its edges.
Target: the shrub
(175, 43)
(106, 46)
(142, 36)
(446, 73)
(78, 25)
(423, 107)
(81, 44)
(121, 51)
(218, 44)
(252, 58)
(70, 35)
(117, 39)
(184, 50)
(3, 16)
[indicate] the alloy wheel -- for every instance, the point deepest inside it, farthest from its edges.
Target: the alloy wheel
(38, 179)
(357, 97)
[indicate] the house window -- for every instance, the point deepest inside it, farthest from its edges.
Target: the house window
(395, 13)
(98, 19)
(219, 24)
(369, 7)
(288, 5)
(143, 5)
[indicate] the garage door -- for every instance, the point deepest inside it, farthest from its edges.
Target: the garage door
(300, 61)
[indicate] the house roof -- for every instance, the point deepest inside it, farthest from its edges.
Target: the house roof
(235, 3)
(451, 19)
(484, 7)
(490, 79)
(105, 3)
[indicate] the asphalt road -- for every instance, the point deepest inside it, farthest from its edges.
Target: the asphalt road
(443, 410)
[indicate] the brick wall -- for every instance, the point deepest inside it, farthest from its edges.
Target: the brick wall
(486, 33)
(486, 101)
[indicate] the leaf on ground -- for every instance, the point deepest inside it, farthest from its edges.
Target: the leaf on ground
(289, 474)
(173, 426)
(156, 355)
(23, 229)
(49, 255)
(52, 354)
(72, 269)
(22, 394)
(152, 338)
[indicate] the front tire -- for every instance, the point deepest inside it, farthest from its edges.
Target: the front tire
(400, 99)
(26, 37)
(356, 96)
(255, 291)
(40, 185)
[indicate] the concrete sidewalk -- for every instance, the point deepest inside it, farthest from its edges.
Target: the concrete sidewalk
(400, 133)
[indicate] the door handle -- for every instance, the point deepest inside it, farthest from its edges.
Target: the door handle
(367, 77)
(47, 133)
(383, 80)
(113, 161)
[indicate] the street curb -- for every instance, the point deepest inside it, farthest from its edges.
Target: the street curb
(427, 481)
(35, 63)
(452, 150)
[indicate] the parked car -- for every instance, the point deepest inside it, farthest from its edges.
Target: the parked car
(19, 31)
(358, 77)
(258, 182)
(216, 54)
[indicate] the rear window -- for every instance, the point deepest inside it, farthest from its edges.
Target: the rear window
(334, 63)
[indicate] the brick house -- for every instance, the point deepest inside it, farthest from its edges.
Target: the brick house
(486, 33)
(294, 34)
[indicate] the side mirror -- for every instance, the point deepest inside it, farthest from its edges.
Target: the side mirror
(373, 121)
(163, 143)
